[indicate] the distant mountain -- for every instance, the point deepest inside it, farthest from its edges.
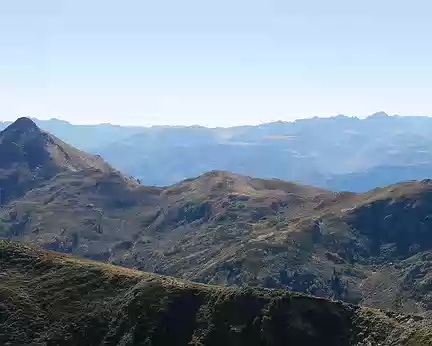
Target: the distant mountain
(317, 151)
(378, 176)
(51, 299)
(222, 228)
(339, 153)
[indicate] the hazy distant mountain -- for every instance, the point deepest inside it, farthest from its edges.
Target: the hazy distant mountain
(340, 153)
(378, 176)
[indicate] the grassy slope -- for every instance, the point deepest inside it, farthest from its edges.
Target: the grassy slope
(222, 228)
(52, 299)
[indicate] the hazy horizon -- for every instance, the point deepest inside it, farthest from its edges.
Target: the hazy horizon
(199, 125)
(213, 63)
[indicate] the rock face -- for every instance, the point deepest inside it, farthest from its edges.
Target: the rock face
(221, 228)
(100, 304)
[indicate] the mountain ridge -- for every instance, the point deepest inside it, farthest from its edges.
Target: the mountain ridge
(337, 153)
(227, 229)
(106, 305)
(379, 114)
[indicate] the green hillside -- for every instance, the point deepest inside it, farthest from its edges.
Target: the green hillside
(53, 299)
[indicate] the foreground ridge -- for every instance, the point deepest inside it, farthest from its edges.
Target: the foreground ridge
(53, 299)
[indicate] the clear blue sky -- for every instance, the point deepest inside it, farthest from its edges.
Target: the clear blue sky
(211, 62)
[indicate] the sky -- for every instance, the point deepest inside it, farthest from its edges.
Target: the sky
(213, 63)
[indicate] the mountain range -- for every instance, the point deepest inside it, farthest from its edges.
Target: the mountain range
(372, 248)
(340, 153)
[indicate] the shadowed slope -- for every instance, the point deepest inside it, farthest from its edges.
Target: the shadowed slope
(52, 299)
